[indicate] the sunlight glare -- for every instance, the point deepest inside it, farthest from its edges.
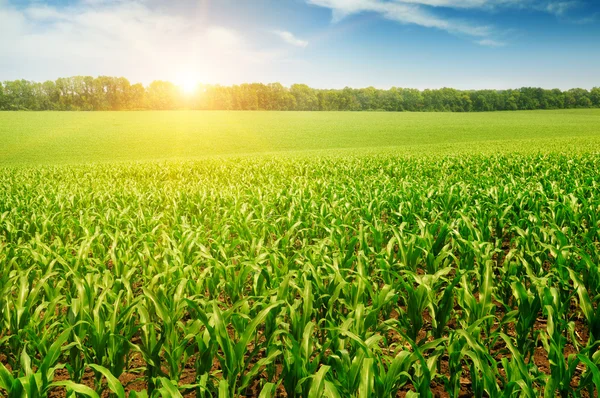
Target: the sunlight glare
(188, 84)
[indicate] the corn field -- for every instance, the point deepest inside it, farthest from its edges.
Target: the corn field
(354, 276)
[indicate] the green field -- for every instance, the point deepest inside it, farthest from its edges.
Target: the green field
(389, 255)
(78, 137)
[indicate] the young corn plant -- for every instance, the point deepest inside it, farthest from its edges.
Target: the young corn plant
(529, 304)
(237, 367)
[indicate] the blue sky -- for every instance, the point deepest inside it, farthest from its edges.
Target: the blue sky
(466, 44)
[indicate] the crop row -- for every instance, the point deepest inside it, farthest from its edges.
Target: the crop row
(278, 276)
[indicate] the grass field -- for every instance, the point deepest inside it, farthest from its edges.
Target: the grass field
(432, 254)
(72, 137)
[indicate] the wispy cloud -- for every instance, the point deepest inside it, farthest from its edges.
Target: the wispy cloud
(406, 12)
(560, 8)
(423, 13)
(584, 20)
(290, 38)
(491, 43)
(551, 6)
(44, 13)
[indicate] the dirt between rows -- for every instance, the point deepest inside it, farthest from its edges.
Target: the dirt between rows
(133, 378)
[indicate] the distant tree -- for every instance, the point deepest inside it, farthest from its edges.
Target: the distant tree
(122, 94)
(512, 101)
(137, 97)
(50, 96)
(3, 101)
(595, 96)
(412, 99)
(367, 98)
(280, 98)
(328, 100)
(466, 102)
(555, 99)
(528, 99)
(480, 103)
(117, 93)
(247, 97)
(306, 97)
(348, 101)
(163, 95)
(20, 95)
(579, 98)
(215, 98)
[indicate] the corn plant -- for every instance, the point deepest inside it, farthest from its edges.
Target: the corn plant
(363, 275)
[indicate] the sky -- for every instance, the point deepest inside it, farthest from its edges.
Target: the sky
(464, 44)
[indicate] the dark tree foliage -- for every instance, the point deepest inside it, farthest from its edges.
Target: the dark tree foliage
(85, 93)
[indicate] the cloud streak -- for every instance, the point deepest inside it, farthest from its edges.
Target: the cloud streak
(290, 38)
(411, 12)
(491, 43)
(422, 13)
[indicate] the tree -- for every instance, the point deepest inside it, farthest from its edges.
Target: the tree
(528, 99)
(3, 102)
(306, 97)
(348, 101)
(367, 98)
(280, 98)
(412, 99)
(595, 96)
(117, 93)
(580, 98)
(512, 100)
(20, 95)
(163, 95)
(137, 97)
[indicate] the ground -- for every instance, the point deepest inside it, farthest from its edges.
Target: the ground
(83, 137)
(345, 254)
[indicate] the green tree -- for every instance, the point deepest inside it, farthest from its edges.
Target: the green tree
(512, 101)
(117, 93)
(163, 95)
(280, 98)
(580, 98)
(306, 97)
(3, 102)
(595, 96)
(137, 97)
(20, 95)
(412, 99)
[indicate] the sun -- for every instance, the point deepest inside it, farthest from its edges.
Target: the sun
(187, 84)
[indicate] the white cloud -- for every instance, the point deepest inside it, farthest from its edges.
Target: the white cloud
(403, 12)
(491, 43)
(289, 38)
(561, 7)
(43, 12)
(551, 6)
(449, 3)
(421, 12)
(115, 37)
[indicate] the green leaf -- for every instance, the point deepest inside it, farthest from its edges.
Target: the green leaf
(268, 391)
(248, 334)
(113, 383)
(593, 368)
(168, 388)
(6, 378)
(330, 390)
(365, 388)
(77, 388)
(138, 394)
(223, 389)
(318, 383)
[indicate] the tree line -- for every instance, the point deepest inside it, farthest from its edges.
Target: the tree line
(85, 93)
